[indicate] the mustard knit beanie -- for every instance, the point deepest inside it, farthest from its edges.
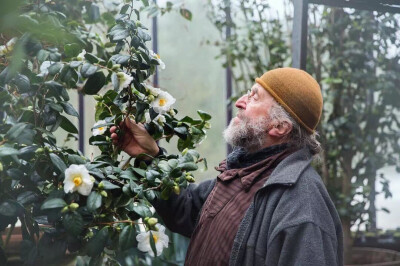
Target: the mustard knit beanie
(297, 92)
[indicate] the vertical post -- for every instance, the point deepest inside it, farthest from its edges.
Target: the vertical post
(155, 45)
(299, 35)
(228, 70)
(81, 109)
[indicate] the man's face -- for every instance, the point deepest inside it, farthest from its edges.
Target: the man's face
(250, 126)
(254, 105)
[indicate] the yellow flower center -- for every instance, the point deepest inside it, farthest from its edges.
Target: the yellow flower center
(162, 102)
(157, 56)
(101, 128)
(77, 180)
(155, 238)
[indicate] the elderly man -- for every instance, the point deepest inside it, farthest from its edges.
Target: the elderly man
(268, 206)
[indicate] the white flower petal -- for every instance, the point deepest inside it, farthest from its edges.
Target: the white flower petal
(86, 184)
(161, 243)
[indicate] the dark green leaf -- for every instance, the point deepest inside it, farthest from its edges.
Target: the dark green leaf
(97, 243)
(53, 204)
(127, 238)
(27, 197)
(55, 68)
(72, 50)
(69, 109)
(205, 116)
(124, 9)
(7, 151)
(88, 69)
(21, 133)
(142, 210)
(7, 208)
(73, 223)
(68, 126)
(108, 185)
(94, 83)
(22, 82)
(188, 166)
(93, 201)
(120, 59)
(58, 162)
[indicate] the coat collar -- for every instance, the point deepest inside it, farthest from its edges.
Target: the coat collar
(290, 169)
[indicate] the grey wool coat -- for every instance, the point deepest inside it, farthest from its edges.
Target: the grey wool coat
(291, 220)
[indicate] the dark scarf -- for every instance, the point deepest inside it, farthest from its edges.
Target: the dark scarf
(240, 158)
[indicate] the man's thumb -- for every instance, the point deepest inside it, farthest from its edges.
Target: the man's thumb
(131, 125)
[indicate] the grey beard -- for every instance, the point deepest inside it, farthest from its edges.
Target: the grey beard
(248, 134)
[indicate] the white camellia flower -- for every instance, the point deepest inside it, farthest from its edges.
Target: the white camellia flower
(99, 130)
(153, 91)
(158, 58)
(81, 56)
(124, 79)
(160, 119)
(160, 240)
(163, 102)
(112, 5)
(5, 49)
(44, 68)
(77, 178)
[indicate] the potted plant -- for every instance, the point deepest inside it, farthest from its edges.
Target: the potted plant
(67, 203)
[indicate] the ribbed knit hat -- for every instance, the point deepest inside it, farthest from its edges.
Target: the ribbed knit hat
(298, 93)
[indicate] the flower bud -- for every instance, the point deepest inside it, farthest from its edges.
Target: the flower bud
(190, 178)
(176, 189)
(101, 185)
(152, 221)
(89, 234)
(65, 209)
(185, 151)
(207, 125)
(39, 150)
(150, 98)
(1, 167)
(171, 112)
(138, 23)
(102, 215)
(73, 206)
(120, 75)
(116, 67)
(146, 219)
(104, 193)
(98, 97)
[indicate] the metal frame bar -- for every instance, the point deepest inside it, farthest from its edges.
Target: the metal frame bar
(228, 74)
(299, 34)
(380, 6)
(155, 45)
(81, 110)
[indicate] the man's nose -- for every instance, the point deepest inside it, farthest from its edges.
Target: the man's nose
(241, 102)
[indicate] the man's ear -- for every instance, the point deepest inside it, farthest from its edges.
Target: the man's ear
(280, 130)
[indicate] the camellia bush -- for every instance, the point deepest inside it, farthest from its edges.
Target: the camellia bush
(65, 202)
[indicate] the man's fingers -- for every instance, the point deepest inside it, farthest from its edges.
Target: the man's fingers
(114, 136)
(113, 129)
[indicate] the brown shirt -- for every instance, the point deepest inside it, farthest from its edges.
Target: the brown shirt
(212, 240)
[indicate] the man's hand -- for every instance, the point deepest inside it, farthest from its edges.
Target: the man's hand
(134, 139)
